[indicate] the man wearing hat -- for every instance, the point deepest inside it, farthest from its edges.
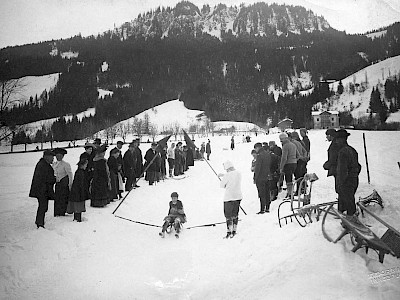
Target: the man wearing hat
(153, 163)
(347, 172)
(97, 142)
(331, 163)
(64, 179)
(139, 158)
(42, 185)
(262, 171)
(130, 161)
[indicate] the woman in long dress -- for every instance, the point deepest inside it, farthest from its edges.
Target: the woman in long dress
(101, 183)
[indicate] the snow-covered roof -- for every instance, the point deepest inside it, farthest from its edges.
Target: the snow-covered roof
(284, 120)
(332, 112)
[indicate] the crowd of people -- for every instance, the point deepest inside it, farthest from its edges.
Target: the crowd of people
(271, 164)
(104, 180)
(99, 179)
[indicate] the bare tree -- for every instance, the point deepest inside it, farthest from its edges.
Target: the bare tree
(11, 93)
(176, 129)
(153, 131)
(122, 130)
(110, 131)
(137, 127)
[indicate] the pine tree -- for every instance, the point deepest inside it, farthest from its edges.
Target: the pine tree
(340, 88)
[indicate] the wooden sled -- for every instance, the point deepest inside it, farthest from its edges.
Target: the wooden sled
(391, 237)
(362, 235)
(373, 198)
(299, 203)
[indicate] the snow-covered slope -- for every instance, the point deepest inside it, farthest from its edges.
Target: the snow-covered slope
(364, 81)
(167, 115)
(35, 85)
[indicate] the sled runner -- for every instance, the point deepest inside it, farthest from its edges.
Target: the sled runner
(298, 204)
(361, 235)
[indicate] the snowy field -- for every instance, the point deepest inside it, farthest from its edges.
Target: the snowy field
(106, 257)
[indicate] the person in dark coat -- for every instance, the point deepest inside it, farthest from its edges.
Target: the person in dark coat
(208, 149)
(112, 163)
(261, 175)
(42, 185)
(139, 162)
(153, 166)
(347, 172)
(178, 167)
(88, 155)
(163, 168)
(184, 155)
(306, 141)
(190, 156)
(275, 148)
(101, 183)
(78, 195)
(202, 149)
(274, 176)
(232, 143)
(130, 163)
(331, 164)
(120, 163)
(64, 178)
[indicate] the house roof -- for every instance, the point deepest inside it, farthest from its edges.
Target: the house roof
(331, 112)
(285, 120)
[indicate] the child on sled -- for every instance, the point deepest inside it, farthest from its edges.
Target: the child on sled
(176, 216)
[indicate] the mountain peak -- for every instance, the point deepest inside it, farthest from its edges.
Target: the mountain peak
(260, 19)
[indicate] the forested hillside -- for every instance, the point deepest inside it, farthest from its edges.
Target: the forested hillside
(231, 62)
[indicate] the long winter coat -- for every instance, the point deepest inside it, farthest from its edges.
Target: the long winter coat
(208, 148)
(139, 161)
(155, 166)
(130, 163)
(78, 195)
(331, 163)
(112, 163)
(101, 183)
(347, 165)
(43, 181)
(262, 169)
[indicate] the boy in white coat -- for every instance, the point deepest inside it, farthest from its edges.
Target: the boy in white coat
(231, 181)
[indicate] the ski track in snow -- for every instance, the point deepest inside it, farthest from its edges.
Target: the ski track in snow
(106, 257)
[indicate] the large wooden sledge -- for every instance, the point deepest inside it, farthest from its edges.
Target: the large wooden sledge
(298, 204)
(363, 236)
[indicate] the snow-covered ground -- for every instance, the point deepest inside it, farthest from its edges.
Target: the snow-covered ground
(106, 257)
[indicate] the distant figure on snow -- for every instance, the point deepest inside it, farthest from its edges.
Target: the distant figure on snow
(232, 143)
(202, 149)
(208, 149)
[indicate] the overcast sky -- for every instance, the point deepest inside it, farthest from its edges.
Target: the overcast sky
(29, 21)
